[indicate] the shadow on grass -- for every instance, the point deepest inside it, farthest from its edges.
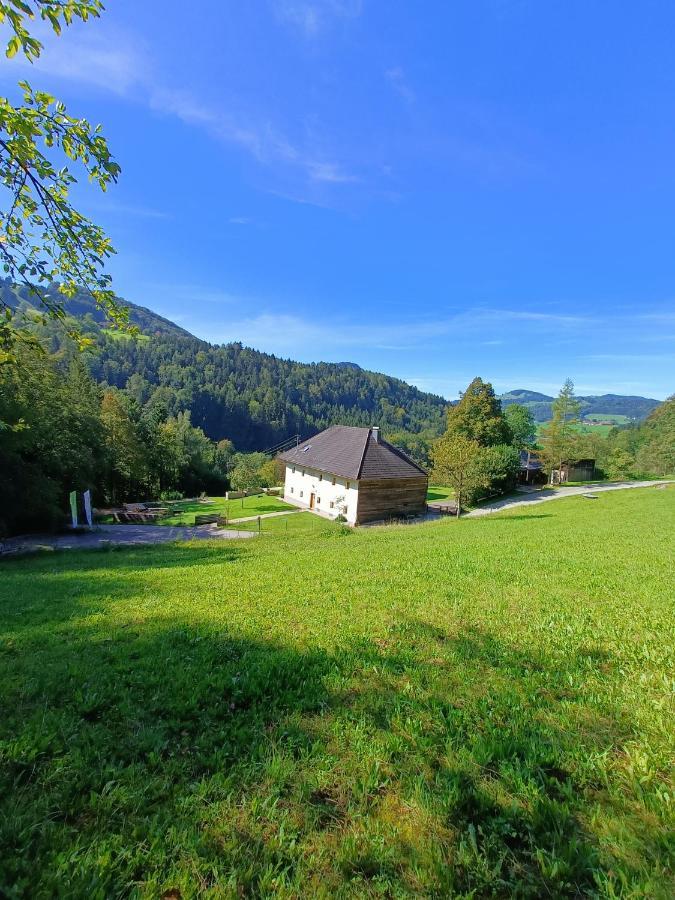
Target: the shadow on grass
(437, 495)
(180, 758)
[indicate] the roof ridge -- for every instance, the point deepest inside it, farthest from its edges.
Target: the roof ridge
(363, 455)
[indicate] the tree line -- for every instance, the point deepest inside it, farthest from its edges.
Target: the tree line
(479, 453)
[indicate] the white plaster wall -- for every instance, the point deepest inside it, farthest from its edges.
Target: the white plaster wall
(300, 484)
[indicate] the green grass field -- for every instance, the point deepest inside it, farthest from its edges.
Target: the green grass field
(584, 428)
(233, 509)
(465, 708)
(294, 523)
(439, 492)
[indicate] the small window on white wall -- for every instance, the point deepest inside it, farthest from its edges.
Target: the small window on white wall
(318, 500)
(348, 485)
(333, 482)
(332, 505)
(320, 477)
(293, 470)
(292, 489)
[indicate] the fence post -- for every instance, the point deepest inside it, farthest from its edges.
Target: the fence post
(259, 524)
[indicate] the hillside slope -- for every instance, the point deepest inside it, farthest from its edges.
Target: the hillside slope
(253, 399)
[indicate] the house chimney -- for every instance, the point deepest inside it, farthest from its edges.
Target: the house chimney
(375, 431)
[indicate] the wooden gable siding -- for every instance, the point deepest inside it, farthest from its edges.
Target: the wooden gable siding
(387, 498)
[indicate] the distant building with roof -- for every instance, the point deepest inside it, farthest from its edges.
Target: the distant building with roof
(355, 473)
(531, 470)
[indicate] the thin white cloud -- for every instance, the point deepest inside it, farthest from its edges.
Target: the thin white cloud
(122, 66)
(329, 172)
(114, 64)
(397, 79)
(292, 333)
(312, 17)
(154, 292)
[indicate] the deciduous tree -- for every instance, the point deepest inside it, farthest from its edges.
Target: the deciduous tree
(455, 459)
(44, 238)
(521, 422)
(478, 416)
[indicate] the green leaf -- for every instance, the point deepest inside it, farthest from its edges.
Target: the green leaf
(13, 47)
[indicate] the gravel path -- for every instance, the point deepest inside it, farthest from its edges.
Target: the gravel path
(558, 494)
(106, 535)
(283, 512)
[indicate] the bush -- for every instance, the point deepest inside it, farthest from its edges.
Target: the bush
(171, 495)
(620, 465)
(498, 467)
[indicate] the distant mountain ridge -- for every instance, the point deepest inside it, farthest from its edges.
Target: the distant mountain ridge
(633, 407)
(257, 399)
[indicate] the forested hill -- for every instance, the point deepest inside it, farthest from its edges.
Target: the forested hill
(253, 399)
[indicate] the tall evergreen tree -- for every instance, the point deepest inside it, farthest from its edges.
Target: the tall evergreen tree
(559, 438)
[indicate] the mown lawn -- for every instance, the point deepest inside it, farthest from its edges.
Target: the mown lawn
(233, 509)
(294, 523)
(439, 492)
(469, 709)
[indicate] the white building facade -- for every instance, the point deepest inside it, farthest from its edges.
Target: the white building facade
(352, 472)
(325, 494)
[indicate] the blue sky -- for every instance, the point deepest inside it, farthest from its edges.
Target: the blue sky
(433, 190)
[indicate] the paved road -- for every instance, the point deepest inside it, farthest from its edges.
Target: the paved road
(105, 535)
(558, 494)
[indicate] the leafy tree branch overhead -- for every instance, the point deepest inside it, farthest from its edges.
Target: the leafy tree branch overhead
(44, 238)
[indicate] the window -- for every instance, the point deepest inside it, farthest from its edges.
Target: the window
(345, 510)
(332, 505)
(301, 493)
(293, 470)
(303, 473)
(348, 485)
(292, 490)
(318, 500)
(320, 477)
(333, 479)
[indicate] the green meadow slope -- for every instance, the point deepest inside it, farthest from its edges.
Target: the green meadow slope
(474, 708)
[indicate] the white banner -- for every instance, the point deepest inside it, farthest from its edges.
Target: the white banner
(73, 508)
(87, 507)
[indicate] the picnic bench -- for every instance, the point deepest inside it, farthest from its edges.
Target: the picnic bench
(212, 519)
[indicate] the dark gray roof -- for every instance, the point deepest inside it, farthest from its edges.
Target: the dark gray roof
(352, 452)
(533, 464)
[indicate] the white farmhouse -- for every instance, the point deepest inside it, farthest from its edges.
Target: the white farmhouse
(355, 473)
